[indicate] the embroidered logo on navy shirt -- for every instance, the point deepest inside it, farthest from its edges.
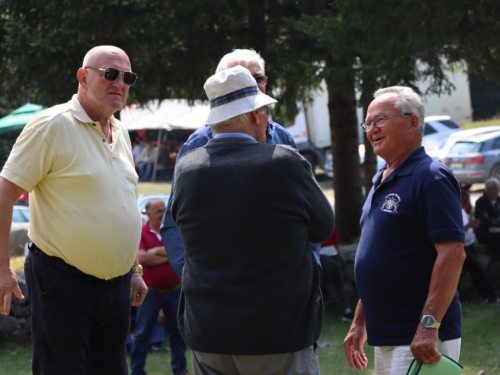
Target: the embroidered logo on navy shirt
(391, 203)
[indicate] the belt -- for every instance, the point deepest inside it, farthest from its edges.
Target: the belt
(165, 289)
(63, 266)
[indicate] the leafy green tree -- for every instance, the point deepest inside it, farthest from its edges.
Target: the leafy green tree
(485, 98)
(175, 45)
(371, 44)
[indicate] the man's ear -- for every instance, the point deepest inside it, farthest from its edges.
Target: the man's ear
(255, 117)
(414, 121)
(82, 77)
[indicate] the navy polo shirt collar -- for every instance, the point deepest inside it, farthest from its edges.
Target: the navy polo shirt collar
(406, 168)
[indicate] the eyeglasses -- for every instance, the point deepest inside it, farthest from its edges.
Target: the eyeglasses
(111, 74)
(379, 121)
(261, 79)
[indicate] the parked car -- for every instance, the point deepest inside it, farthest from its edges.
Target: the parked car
(440, 152)
(21, 214)
(19, 230)
(437, 130)
(475, 159)
(143, 199)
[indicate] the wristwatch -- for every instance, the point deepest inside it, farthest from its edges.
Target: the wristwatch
(429, 321)
(137, 269)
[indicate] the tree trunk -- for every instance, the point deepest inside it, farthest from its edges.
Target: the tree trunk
(368, 87)
(370, 163)
(257, 25)
(346, 168)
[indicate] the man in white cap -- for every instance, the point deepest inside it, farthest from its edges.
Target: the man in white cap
(246, 211)
(275, 134)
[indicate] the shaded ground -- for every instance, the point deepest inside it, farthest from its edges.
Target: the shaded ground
(326, 184)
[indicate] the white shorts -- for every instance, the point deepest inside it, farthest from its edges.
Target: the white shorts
(395, 360)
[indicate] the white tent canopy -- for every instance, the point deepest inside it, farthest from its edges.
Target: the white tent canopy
(169, 114)
(192, 120)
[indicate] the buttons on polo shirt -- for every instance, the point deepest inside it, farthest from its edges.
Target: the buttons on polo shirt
(95, 124)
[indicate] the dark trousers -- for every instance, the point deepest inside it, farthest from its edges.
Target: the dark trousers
(79, 326)
(491, 240)
(483, 285)
(332, 271)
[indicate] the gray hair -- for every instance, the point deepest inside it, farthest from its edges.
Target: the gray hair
(233, 123)
(488, 184)
(408, 101)
(246, 55)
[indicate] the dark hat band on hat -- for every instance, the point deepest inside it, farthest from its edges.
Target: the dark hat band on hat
(235, 95)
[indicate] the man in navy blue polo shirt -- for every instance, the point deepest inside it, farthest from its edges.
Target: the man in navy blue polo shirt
(275, 134)
(411, 248)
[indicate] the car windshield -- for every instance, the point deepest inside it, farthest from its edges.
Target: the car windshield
(428, 129)
(450, 124)
(465, 147)
(20, 216)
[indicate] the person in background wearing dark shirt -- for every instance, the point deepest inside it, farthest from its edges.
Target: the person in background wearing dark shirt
(488, 212)
(484, 286)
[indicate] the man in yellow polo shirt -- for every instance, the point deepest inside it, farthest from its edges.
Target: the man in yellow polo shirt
(82, 274)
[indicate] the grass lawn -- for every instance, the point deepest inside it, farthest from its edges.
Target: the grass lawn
(153, 187)
(477, 124)
(480, 353)
(480, 347)
(165, 187)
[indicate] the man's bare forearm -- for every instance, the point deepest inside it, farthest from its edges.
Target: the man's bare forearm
(445, 276)
(9, 193)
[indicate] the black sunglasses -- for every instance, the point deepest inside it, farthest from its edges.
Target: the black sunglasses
(111, 74)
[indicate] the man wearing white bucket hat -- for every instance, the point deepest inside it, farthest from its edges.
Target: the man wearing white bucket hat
(234, 92)
(275, 134)
(246, 211)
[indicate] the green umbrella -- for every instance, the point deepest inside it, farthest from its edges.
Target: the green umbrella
(20, 117)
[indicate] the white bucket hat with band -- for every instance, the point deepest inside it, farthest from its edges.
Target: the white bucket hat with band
(233, 92)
